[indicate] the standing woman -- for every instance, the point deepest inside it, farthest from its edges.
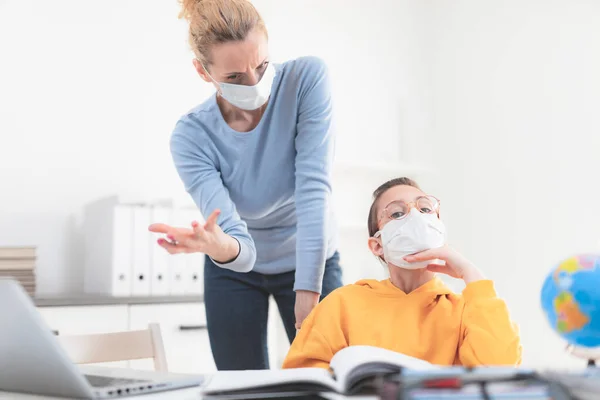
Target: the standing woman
(256, 157)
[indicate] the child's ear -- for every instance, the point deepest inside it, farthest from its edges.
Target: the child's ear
(375, 246)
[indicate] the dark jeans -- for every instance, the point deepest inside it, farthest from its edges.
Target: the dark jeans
(237, 308)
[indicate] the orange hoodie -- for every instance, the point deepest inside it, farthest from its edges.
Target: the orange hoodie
(430, 323)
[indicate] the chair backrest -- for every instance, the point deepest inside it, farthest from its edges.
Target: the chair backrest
(117, 346)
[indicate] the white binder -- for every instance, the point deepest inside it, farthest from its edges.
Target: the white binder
(108, 242)
(188, 269)
(194, 274)
(176, 278)
(140, 274)
(178, 261)
(161, 260)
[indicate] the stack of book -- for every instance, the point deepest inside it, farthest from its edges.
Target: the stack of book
(18, 263)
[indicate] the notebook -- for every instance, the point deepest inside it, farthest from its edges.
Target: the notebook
(351, 369)
(367, 370)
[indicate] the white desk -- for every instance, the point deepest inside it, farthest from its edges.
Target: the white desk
(192, 393)
(181, 394)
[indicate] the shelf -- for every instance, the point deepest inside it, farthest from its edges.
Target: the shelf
(387, 168)
(352, 226)
(77, 300)
(353, 230)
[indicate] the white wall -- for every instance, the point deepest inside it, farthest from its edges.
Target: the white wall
(499, 98)
(374, 51)
(515, 139)
(90, 91)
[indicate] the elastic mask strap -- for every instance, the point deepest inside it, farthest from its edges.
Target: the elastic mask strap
(377, 235)
(210, 76)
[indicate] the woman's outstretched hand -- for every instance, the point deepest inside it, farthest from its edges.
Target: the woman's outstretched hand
(207, 238)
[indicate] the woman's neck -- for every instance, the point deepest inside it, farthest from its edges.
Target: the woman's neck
(408, 280)
(238, 119)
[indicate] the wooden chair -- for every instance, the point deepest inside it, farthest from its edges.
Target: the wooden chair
(117, 346)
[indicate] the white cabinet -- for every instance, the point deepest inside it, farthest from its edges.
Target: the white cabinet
(184, 333)
(182, 324)
(80, 320)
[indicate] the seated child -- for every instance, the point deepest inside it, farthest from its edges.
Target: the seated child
(413, 312)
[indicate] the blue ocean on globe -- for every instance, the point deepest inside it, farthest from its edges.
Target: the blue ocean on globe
(571, 300)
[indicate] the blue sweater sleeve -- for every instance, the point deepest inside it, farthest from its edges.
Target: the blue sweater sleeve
(314, 157)
(203, 182)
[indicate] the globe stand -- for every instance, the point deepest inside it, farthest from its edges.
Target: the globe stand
(590, 354)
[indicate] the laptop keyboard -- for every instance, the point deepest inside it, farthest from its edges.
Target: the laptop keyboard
(99, 381)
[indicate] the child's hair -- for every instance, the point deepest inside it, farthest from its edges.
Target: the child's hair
(373, 211)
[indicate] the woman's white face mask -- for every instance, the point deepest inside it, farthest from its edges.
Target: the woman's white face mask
(248, 97)
(414, 233)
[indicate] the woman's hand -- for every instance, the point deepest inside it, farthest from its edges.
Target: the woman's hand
(208, 239)
(305, 302)
(455, 265)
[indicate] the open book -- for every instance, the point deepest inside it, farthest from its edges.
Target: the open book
(350, 369)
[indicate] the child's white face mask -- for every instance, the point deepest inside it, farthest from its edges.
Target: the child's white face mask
(414, 233)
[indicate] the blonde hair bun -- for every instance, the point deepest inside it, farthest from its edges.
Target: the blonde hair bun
(218, 21)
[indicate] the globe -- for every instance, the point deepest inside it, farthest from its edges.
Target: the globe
(571, 300)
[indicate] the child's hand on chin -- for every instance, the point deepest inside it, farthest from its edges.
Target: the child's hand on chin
(455, 265)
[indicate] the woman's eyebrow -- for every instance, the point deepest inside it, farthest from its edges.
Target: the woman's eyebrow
(233, 73)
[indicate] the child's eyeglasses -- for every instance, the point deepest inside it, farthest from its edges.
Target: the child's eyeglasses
(399, 209)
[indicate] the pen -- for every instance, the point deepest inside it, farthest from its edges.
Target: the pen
(443, 383)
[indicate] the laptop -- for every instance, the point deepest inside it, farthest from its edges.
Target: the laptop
(32, 360)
